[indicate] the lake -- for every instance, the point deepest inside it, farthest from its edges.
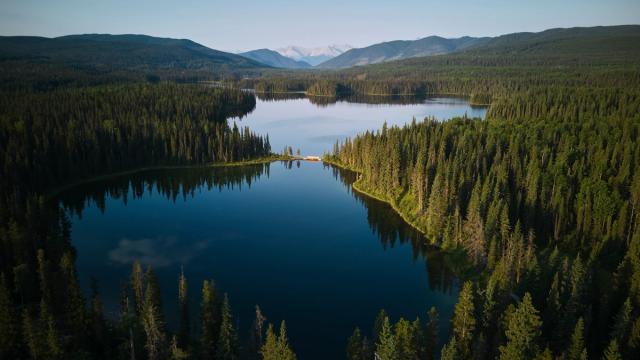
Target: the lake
(291, 237)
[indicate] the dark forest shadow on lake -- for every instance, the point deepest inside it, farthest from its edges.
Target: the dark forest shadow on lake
(185, 183)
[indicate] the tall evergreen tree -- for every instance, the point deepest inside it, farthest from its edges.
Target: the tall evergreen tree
(210, 319)
(183, 339)
(431, 334)
(386, 345)
(612, 352)
(464, 321)
(227, 348)
(354, 346)
(523, 326)
(75, 306)
(577, 349)
(256, 335)
(137, 285)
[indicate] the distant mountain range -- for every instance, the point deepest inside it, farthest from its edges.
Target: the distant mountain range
(401, 49)
(274, 59)
(578, 41)
(102, 53)
(113, 52)
(313, 56)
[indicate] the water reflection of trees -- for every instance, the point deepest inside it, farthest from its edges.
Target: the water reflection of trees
(392, 229)
(184, 183)
(322, 101)
(171, 183)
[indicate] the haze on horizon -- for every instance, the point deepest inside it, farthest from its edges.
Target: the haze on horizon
(247, 25)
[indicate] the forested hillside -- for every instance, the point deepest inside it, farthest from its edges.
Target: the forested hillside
(51, 138)
(400, 49)
(541, 198)
(102, 58)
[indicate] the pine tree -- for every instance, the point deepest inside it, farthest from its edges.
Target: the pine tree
(612, 352)
(522, 332)
(473, 229)
(431, 334)
(464, 321)
(404, 340)
(137, 285)
(153, 328)
(52, 341)
(286, 353)
(256, 335)
(210, 319)
(450, 350)
(183, 332)
(152, 293)
(269, 350)
(377, 324)
(622, 322)
(33, 336)
(277, 347)
(386, 345)
(419, 338)
(577, 349)
(354, 346)
(227, 348)
(75, 307)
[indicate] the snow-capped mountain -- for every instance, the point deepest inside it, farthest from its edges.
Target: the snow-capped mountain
(313, 56)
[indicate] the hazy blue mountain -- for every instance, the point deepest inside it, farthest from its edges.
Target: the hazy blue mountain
(273, 58)
(121, 52)
(400, 49)
(313, 56)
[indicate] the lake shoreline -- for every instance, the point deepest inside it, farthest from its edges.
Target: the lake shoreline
(361, 190)
(263, 160)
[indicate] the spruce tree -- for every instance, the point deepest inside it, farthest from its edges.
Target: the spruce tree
(210, 320)
(354, 346)
(405, 341)
(450, 350)
(522, 332)
(386, 345)
(184, 329)
(431, 334)
(75, 306)
(137, 286)
(577, 349)
(464, 321)
(256, 335)
(227, 348)
(612, 352)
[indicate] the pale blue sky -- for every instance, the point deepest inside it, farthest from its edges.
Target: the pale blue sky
(247, 24)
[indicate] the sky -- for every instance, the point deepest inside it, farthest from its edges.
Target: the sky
(239, 25)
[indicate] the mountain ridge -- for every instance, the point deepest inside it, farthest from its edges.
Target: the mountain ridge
(126, 51)
(275, 59)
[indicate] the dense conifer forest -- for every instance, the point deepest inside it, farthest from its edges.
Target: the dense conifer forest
(537, 204)
(541, 199)
(51, 138)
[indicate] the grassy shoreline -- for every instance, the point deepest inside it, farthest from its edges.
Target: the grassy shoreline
(356, 186)
(262, 160)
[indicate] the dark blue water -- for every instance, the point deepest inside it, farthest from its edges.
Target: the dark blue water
(290, 237)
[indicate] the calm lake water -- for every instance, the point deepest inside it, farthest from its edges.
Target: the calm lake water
(313, 124)
(290, 237)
